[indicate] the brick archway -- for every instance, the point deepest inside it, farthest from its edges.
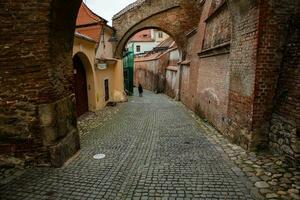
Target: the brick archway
(176, 18)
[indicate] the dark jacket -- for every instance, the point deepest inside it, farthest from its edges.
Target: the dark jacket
(140, 89)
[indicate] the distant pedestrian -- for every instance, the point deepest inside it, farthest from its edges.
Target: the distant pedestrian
(140, 90)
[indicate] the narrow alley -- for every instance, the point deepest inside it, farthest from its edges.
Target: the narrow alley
(154, 150)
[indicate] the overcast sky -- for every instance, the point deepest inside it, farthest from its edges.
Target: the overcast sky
(107, 8)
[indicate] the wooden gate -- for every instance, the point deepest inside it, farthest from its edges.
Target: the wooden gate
(80, 86)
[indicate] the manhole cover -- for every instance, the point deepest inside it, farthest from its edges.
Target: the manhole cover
(99, 156)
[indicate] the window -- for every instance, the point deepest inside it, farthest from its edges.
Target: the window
(160, 35)
(106, 89)
(138, 48)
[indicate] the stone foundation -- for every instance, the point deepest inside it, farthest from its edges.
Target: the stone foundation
(54, 139)
(59, 130)
(283, 138)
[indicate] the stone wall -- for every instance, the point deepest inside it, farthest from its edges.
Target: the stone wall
(284, 138)
(36, 69)
(285, 124)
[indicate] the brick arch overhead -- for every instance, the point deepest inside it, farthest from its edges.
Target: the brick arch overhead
(175, 17)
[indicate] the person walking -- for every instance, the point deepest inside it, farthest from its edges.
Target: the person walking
(140, 90)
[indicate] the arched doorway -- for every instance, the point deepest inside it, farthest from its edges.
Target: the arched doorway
(80, 86)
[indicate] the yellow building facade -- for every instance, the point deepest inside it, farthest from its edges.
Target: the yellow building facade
(103, 75)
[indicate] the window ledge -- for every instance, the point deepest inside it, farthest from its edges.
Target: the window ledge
(217, 50)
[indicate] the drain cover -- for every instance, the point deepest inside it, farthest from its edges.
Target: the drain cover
(99, 156)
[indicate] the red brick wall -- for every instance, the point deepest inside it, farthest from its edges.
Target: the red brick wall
(207, 92)
(213, 88)
(242, 73)
(226, 98)
(274, 19)
(194, 46)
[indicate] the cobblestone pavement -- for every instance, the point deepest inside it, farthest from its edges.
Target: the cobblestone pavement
(86, 123)
(92, 120)
(154, 150)
(270, 173)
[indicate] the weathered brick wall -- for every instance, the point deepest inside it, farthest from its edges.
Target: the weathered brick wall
(170, 84)
(158, 72)
(23, 73)
(285, 124)
(187, 75)
(218, 27)
(150, 73)
(207, 92)
(145, 74)
(36, 69)
(245, 17)
(274, 17)
(213, 88)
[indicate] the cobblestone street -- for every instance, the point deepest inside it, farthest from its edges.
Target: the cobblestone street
(154, 150)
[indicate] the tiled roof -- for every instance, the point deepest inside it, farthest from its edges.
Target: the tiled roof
(79, 35)
(142, 36)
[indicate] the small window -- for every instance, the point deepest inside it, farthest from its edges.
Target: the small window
(138, 48)
(160, 35)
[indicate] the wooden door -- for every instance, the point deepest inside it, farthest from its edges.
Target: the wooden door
(80, 87)
(106, 85)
